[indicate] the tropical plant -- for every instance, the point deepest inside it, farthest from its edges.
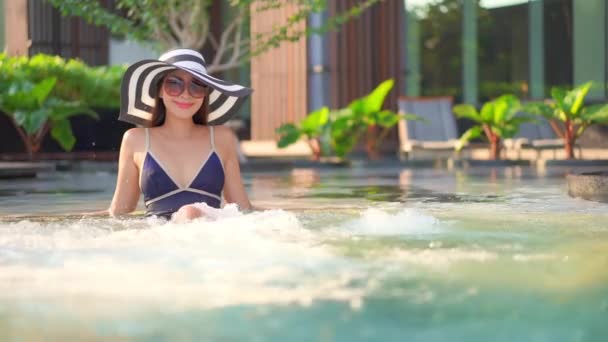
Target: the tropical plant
(568, 115)
(498, 119)
(189, 23)
(338, 131)
(40, 94)
(96, 86)
(315, 125)
(33, 113)
(366, 116)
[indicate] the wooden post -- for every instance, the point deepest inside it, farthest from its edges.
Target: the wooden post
(536, 49)
(16, 27)
(589, 29)
(469, 52)
(318, 60)
(278, 77)
(2, 33)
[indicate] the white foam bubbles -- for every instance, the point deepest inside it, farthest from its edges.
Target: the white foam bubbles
(230, 258)
(376, 222)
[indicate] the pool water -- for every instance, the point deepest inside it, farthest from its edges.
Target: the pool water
(353, 254)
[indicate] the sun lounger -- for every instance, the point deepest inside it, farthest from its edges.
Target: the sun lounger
(436, 136)
(537, 137)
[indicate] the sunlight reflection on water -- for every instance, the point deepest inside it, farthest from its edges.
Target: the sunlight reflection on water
(420, 253)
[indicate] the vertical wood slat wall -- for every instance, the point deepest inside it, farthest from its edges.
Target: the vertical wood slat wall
(278, 78)
(365, 52)
(51, 33)
(15, 16)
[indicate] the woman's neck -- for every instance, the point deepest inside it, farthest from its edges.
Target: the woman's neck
(178, 127)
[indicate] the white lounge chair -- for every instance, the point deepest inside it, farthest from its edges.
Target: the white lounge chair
(537, 137)
(436, 136)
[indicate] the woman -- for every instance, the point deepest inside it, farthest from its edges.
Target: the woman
(178, 159)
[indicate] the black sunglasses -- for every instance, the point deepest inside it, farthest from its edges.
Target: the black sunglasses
(175, 86)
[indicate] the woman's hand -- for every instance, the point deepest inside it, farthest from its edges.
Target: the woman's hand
(99, 213)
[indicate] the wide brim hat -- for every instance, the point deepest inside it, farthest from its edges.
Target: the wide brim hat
(139, 86)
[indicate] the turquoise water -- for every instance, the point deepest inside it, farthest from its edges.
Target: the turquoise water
(359, 254)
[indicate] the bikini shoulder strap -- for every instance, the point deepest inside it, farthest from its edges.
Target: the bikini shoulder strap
(212, 136)
(147, 139)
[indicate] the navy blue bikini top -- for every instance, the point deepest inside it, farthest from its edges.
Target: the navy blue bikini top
(163, 196)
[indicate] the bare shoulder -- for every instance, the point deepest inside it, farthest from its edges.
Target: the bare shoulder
(224, 136)
(225, 141)
(134, 138)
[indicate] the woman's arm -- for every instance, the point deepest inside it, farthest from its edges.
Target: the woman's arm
(234, 191)
(127, 190)
(95, 213)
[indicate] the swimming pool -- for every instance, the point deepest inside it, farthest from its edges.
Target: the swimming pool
(354, 254)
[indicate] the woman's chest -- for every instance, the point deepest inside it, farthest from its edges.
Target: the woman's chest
(182, 164)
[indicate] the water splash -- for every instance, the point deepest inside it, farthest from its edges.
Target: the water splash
(376, 222)
(228, 259)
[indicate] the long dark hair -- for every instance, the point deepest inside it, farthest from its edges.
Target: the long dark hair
(159, 112)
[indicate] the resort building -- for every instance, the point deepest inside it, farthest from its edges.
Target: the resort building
(472, 50)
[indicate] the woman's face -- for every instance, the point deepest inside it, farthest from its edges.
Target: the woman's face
(182, 94)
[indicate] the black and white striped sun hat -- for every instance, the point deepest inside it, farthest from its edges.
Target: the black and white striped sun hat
(138, 87)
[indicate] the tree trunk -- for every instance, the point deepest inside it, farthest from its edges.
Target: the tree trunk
(35, 146)
(569, 140)
(495, 148)
(371, 143)
(25, 139)
(315, 147)
(494, 140)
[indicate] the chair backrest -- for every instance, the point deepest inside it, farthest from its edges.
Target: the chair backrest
(536, 131)
(440, 123)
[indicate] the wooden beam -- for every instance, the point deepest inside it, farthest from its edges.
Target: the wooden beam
(16, 27)
(278, 77)
(2, 33)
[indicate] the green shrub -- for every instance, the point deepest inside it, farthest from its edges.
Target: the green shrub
(40, 94)
(497, 120)
(569, 115)
(338, 131)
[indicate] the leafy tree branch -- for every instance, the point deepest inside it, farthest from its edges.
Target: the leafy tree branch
(167, 24)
